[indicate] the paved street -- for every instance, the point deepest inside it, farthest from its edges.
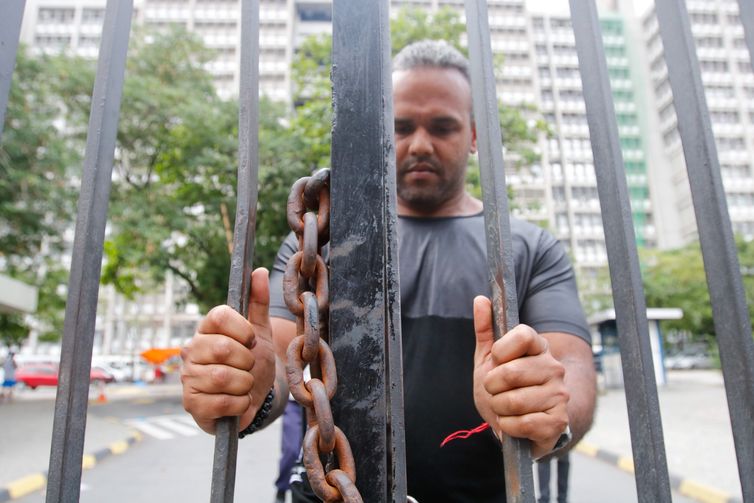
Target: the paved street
(696, 425)
(173, 461)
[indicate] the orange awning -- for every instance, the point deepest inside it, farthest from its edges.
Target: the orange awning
(159, 355)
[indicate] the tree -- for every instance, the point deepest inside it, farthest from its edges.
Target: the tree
(676, 278)
(38, 158)
(174, 198)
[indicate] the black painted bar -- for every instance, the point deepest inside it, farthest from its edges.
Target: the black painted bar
(519, 481)
(365, 298)
(746, 13)
(11, 16)
(732, 325)
(239, 285)
(69, 424)
(652, 481)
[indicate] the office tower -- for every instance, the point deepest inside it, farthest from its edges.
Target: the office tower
(729, 88)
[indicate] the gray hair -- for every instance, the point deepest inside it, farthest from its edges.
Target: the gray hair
(432, 54)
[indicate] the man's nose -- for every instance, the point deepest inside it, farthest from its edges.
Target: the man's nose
(421, 143)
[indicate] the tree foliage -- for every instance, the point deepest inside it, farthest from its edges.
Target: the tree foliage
(38, 157)
(676, 278)
(174, 200)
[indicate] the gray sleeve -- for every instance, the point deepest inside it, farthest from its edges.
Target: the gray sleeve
(278, 309)
(551, 302)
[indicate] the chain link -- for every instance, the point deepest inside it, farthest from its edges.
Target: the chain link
(305, 290)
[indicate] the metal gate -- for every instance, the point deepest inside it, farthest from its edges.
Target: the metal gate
(362, 137)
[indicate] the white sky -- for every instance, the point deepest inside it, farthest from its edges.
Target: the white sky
(561, 6)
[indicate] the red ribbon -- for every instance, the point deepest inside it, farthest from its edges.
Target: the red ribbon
(464, 433)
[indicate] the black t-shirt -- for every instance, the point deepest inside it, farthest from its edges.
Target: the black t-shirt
(443, 266)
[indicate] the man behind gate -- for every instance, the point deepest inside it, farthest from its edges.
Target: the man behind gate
(537, 382)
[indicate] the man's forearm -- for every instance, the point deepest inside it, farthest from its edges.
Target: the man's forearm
(581, 382)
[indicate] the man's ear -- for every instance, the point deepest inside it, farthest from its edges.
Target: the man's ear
(473, 138)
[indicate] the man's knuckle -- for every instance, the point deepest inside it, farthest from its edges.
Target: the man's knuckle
(222, 349)
(219, 375)
(515, 402)
(528, 426)
(220, 315)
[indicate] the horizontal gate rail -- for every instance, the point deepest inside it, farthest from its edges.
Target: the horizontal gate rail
(519, 480)
(730, 312)
(69, 425)
(652, 479)
(365, 320)
(11, 16)
(239, 285)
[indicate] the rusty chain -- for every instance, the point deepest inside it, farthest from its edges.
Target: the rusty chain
(305, 290)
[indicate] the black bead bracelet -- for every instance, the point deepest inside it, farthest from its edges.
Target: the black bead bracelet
(262, 414)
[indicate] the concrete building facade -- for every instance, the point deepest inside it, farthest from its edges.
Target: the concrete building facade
(729, 88)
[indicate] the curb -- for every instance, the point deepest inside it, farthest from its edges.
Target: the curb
(694, 490)
(35, 482)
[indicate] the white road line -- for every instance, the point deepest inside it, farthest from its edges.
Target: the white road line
(150, 429)
(175, 426)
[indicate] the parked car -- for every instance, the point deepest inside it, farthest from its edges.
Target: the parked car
(690, 360)
(119, 375)
(46, 374)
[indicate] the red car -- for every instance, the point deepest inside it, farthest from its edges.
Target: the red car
(46, 374)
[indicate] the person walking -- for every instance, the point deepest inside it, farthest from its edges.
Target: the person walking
(563, 463)
(9, 379)
(290, 447)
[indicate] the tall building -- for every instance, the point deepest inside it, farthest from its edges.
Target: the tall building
(76, 25)
(729, 88)
(565, 177)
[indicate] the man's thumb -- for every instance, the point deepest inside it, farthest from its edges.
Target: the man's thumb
(483, 326)
(259, 297)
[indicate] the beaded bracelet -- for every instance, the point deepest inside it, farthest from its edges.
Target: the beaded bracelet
(262, 414)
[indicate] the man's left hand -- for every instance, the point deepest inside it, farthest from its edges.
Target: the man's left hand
(519, 386)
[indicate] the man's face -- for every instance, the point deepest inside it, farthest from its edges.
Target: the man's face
(433, 135)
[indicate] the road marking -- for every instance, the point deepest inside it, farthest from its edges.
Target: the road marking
(165, 427)
(174, 424)
(26, 485)
(149, 429)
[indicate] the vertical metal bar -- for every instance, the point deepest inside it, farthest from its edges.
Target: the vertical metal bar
(239, 285)
(69, 424)
(365, 320)
(519, 481)
(11, 16)
(746, 14)
(732, 324)
(652, 481)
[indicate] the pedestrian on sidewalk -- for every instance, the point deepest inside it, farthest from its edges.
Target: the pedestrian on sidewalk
(543, 469)
(290, 447)
(9, 371)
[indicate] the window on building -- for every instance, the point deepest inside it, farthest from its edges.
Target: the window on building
(58, 15)
(92, 15)
(314, 12)
(709, 42)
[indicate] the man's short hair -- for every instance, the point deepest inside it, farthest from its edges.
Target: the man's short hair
(431, 54)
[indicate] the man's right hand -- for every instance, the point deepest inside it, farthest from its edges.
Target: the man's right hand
(229, 364)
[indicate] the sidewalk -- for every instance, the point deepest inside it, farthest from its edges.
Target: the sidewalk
(696, 426)
(26, 427)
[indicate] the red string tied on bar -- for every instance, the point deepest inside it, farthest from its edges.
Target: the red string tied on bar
(464, 433)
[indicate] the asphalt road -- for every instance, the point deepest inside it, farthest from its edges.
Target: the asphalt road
(173, 462)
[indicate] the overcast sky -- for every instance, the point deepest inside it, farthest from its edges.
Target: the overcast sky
(560, 6)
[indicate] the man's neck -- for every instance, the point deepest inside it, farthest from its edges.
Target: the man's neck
(461, 206)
